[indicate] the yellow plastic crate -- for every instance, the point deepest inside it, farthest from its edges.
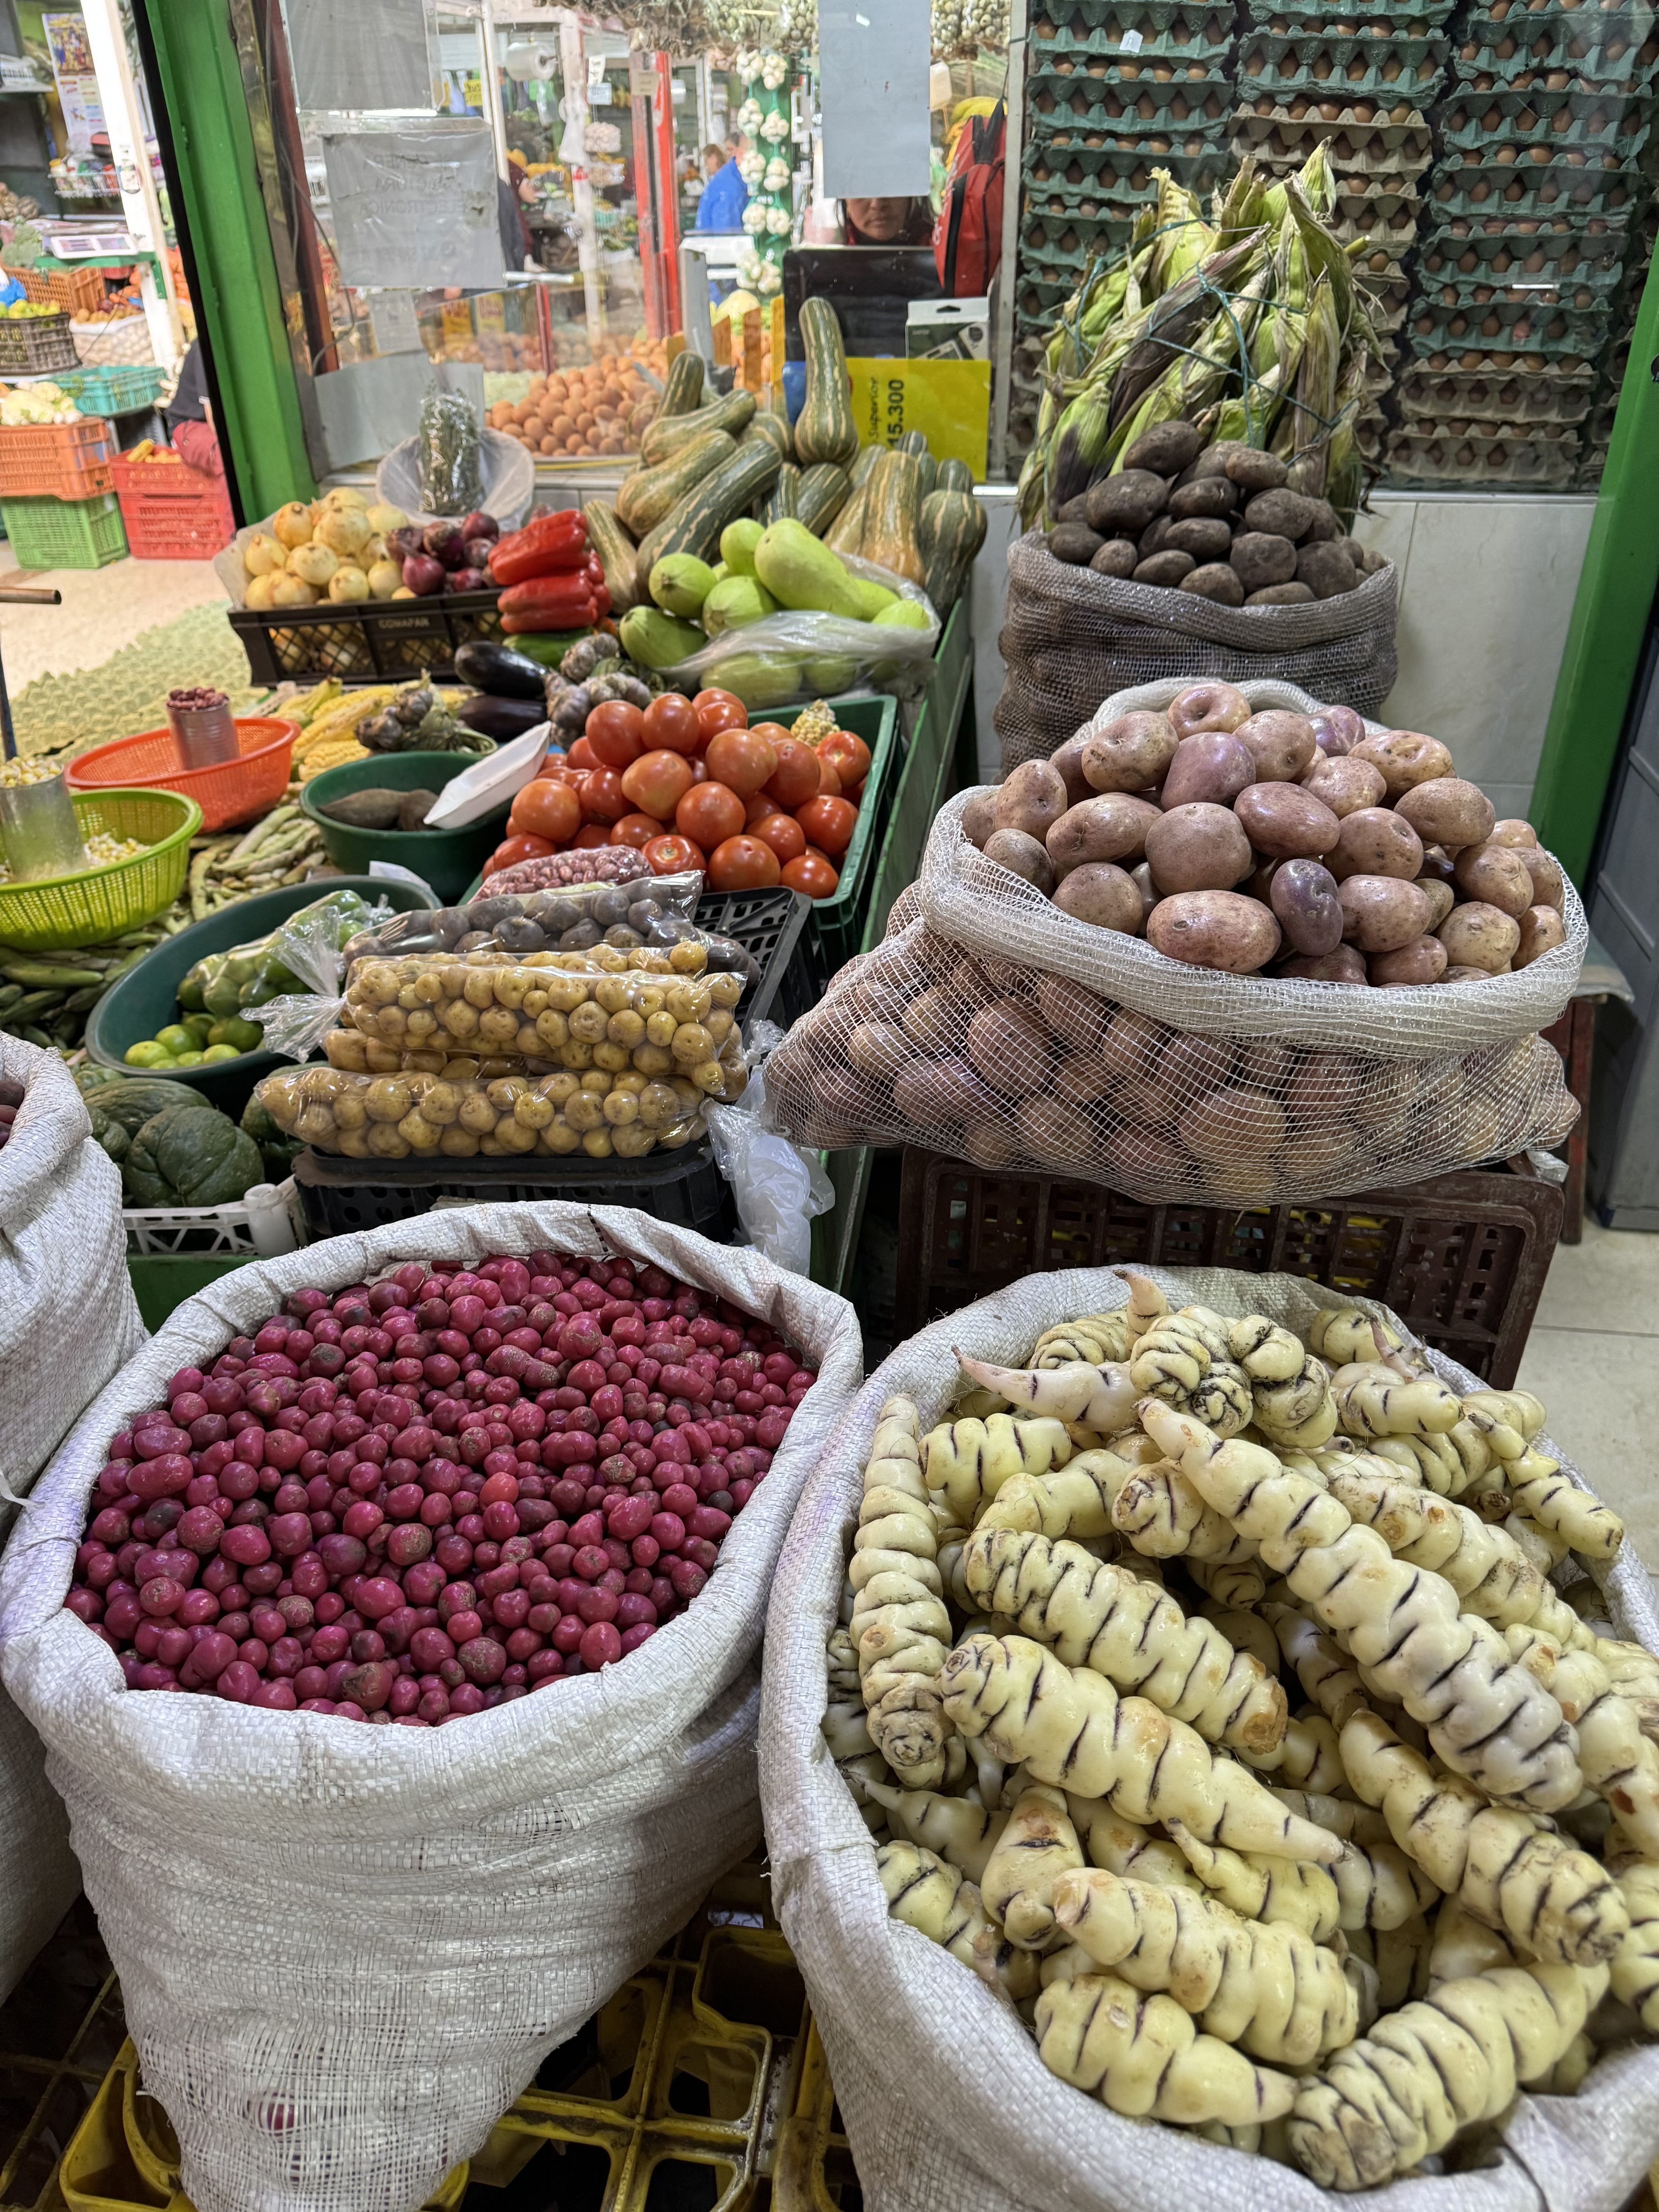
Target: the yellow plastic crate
(48, 913)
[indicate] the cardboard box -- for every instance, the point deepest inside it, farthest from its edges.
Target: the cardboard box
(948, 330)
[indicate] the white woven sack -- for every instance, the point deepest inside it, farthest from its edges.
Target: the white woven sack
(68, 1322)
(946, 2100)
(345, 1950)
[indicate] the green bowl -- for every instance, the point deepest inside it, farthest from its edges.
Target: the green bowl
(447, 859)
(147, 997)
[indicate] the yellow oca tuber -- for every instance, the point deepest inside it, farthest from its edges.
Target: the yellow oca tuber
(900, 1627)
(1539, 1490)
(943, 1905)
(1069, 1727)
(1184, 1360)
(1636, 1962)
(1096, 1615)
(1618, 1761)
(1486, 1716)
(1142, 2056)
(1038, 1844)
(1074, 1500)
(1453, 2057)
(1092, 1337)
(970, 1461)
(1101, 1397)
(1164, 1518)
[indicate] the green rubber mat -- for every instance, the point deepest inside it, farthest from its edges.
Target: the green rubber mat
(127, 692)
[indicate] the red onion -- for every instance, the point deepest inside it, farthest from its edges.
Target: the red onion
(423, 575)
(477, 525)
(420, 1498)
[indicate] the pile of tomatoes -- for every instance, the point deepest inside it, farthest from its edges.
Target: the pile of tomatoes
(691, 785)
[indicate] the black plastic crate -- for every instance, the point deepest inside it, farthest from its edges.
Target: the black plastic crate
(367, 642)
(684, 1188)
(772, 925)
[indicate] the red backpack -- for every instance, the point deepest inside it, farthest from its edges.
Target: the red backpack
(968, 231)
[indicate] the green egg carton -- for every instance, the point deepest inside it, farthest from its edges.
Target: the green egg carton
(1039, 294)
(1141, 108)
(1358, 143)
(1557, 120)
(1362, 212)
(1313, 17)
(1507, 327)
(1152, 18)
(1607, 65)
(1463, 265)
(1508, 460)
(1295, 60)
(1524, 189)
(1069, 157)
(1174, 33)
(1432, 395)
(1124, 176)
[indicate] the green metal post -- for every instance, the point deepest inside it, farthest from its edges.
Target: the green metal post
(1609, 615)
(237, 298)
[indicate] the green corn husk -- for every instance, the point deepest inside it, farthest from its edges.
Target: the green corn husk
(1314, 409)
(1250, 416)
(1173, 322)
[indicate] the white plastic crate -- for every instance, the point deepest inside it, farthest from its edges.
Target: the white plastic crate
(265, 1220)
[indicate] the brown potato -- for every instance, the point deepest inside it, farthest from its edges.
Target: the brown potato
(1345, 784)
(1406, 757)
(1206, 536)
(1280, 595)
(1204, 707)
(1122, 505)
(1239, 1181)
(1449, 812)
(1032, 798)
(978, 817)
(1117, 556)
(1211, 766)
(1233, 1124)
(1541, 930)
(1151, 538)
(1216, 582)
(1141, 877)
(1129, 754)
(935, 1090)
(1324, 1084)
(1204, 496)
(1266, 1064)
(1067, 761)
(1422, 961)
(1496, 874)
(1011, 1046)
(1197, 847)
(1337, 730)
(1304, 897)
(1441, 897)
(1260, 558)
(1144, 1162)
(1480, 936)
(1083, 1079)
(1512, 830)
(1166, 567)
(1189, 1065)
(935, 1018)
(1282, 514)
(1284, 822)
(1077, 1018)
(1375, 841)
(1382, 913)
(1131, 1043)
(1143, 1104)
(1056, 1134)
(1165, 449)
(1548, 883)
(1344, 965)
(1464, 974)
(879, 1048)
(1254, 467)
(1320, 1153)
(1101, 894)
(1214, 929)
(1013, 849)
(1111, 825)
(1074, 543)
(1326, 566)
(991, 1145)
(1283, 746)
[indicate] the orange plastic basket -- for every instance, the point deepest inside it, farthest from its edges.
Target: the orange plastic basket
(70, 460)
(228, 793)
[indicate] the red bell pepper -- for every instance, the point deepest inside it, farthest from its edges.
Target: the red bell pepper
(516, 625)
(552, 544)
(556, 597)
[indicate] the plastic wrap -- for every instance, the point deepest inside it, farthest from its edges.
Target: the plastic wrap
(446, 447)
(778, 1185)
(800, 655)
(653, 910)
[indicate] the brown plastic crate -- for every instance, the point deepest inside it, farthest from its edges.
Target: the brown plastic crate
(366, 641)
(36, 345)
(80, 291)
(1462, 1257)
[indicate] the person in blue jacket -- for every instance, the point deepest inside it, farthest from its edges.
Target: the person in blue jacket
(726, 195)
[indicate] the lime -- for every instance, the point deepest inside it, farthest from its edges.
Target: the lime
(176, 1038)
(190, 1060)
(221, 1052)
(199, 1025)
(152, 1052)
(241, 1036)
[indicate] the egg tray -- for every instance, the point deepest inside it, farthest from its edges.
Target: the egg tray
(1504, 328)
(1363, 213)
(1522, 400)
(1038, 295)
(1610, 67)
(1554, 119)
(1488, 462)
(1370, 169)
(1447, 290)
(1357, 144)
(1453, 431)
(1558, 236)
(1127, 78)
(1183, 154)
(1413, 18)
(1181, 33)
(1053, 262)
(1140, 109)
(1149, 17)
(1527, 189)
(1124, 181)
(1294, 60)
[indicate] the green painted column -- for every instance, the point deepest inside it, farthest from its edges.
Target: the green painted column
(1610, 615)
(237, 297)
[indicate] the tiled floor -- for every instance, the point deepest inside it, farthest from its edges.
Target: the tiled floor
(1592, 1358)
(103, 608)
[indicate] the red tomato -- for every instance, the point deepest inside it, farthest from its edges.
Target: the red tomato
(795, 779)
(673, 856)
(719, 713)
(711, 692)
(812, 873)
(590, 838)
(708, 814)
(581, 755)
(546, 809)
(848, 755)
(783, 833)
(828, 823)
(829, 785)
(671, 725)
(656, 782)
(743, 864)
(743, 760)
(854, 792)
(636, 829)
(604, 799)
(615, 733)
(758, 807)
(517, 848)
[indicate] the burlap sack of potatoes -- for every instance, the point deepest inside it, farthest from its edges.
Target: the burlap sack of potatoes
(945, 2101)
(992, 1026)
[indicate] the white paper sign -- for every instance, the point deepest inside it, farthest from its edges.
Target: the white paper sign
(371, 57)
(391, 319)
(415, 209)
(873, 67)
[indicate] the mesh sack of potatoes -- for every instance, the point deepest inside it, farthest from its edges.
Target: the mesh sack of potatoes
(962, 2082)
(1071, 636)
(992, 1025)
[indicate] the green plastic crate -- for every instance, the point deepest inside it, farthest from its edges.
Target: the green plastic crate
(161, 1281)
(65, 533)
(837, 922)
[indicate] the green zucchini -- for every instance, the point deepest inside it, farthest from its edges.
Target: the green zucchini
(647, 495)
(695, 526)
(951, 533)
(618, 555)
(823, 492)
(783, 501)
(663, 439)
(824, 429)
(682, 392)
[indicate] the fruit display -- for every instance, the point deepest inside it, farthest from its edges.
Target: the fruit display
(689, 784)
(1300, 845)
(1202, 1683)
(44, 402)
(1254, 329)
(589, 413)
(335, 548)
(418, 1499)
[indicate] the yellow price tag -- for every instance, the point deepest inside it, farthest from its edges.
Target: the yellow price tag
(950, 401)
(457, 322)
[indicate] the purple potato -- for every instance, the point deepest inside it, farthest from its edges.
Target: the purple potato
(1304, 897)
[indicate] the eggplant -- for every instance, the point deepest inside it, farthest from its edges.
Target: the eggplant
(487, 666)
(501, 719)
